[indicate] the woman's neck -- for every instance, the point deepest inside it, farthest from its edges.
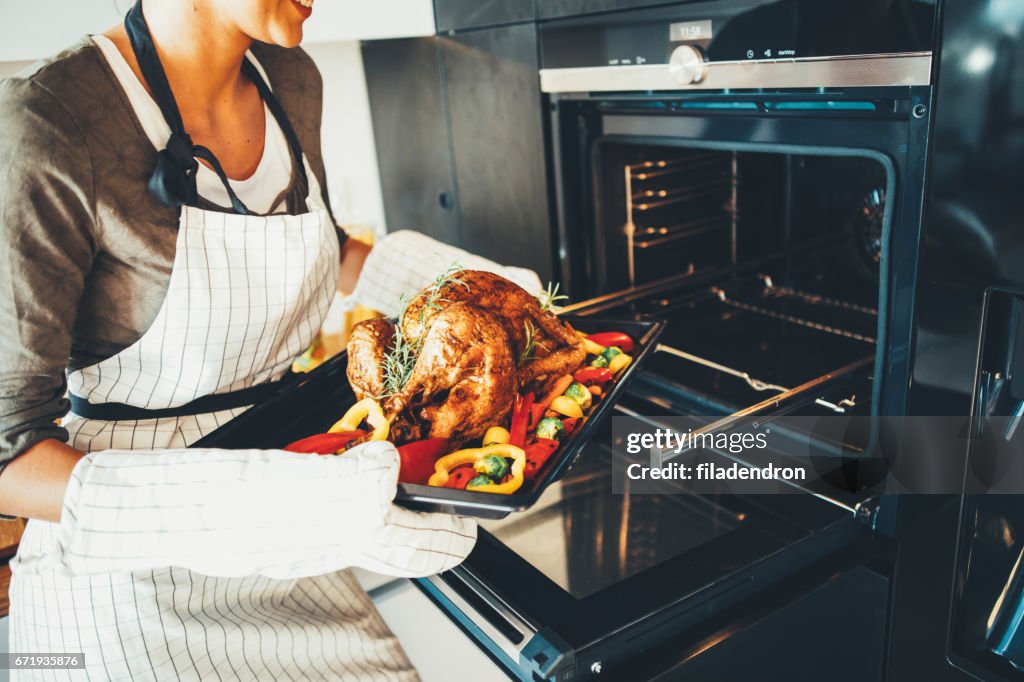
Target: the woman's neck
(201, 55)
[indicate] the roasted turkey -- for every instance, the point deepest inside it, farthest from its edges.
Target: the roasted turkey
(471, 343)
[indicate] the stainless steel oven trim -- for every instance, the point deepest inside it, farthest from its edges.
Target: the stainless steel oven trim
(509, 648)
(907, 68)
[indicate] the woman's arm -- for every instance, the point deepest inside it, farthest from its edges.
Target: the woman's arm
(33, 484)
(353, 255)
(230, 513)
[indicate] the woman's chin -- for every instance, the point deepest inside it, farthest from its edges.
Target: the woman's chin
(286, 36)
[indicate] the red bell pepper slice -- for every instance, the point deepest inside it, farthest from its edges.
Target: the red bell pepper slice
(623, 341)
(460, 476)
(590, 376)
(538, 451)
(520, 419)
(418, 459)
(325, 443)
(571, 424)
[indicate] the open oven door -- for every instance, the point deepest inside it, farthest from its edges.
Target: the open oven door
(986, 634)
(588, 583)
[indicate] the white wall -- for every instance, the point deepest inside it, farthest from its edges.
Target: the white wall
(32, 29)
(352, 176)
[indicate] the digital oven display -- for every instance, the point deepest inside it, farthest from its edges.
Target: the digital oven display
(688, 31)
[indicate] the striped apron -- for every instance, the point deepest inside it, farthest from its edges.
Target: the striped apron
(246, 295)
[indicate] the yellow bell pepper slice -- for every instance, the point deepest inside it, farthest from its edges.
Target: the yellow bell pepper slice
(619, 363)
(496, 434)
(563, 404)
(368, 409)
(443, 467)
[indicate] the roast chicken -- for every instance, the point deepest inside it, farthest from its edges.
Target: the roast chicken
(471, 342)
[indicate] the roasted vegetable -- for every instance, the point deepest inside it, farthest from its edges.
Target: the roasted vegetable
(418, 459)
(478, 482)
(610, 353)
(459, 477)
(443, 467)
(538, 451)
(493, 466)
(550, 428)
(496, 434)
(567, 406)
(580, 394)
(619, 362)
(325, 443)
(571, 425)
(590, 346)
(368, 409)
(520, 419)
(623, 341)
(557, 389)
(589, 376)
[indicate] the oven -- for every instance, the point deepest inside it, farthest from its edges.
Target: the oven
(753, 172)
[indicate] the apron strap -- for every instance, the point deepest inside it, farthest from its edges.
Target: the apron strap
(214, 402)
(173, 182)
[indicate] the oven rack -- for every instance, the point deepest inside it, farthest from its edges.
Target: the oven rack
(672, 200)
(840, 406)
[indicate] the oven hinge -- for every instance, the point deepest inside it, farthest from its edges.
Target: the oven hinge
(867, 511)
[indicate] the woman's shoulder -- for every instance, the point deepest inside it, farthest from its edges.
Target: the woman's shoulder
(293, 76)
(286, 63)
(62, 93)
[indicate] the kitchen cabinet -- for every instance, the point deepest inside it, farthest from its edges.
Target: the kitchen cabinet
(498, 145)
(403, 81)
(453, 15)
(549, 9)
(459, 130)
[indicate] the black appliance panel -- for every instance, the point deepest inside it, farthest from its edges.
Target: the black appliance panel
(454, 15)
(739, 30)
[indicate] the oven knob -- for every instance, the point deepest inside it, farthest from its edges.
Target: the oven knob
(686, 64)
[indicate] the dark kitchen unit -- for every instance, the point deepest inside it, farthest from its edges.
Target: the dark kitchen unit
(822, 197)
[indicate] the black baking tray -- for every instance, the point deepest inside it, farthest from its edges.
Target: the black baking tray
(314, 402)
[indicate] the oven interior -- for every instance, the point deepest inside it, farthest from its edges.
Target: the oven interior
(767, 266)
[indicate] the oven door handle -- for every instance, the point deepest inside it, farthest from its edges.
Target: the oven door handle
(542, 653)
(483, 621)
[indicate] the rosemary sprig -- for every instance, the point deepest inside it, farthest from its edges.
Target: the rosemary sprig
(550, 298)
(531, 343)
(400, 358)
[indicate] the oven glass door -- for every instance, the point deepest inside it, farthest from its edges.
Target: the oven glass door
(586, 563)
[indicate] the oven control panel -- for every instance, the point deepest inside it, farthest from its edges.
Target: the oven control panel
(738, 30)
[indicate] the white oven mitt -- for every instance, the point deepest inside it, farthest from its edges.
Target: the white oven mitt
(404, 262)
(232, 513)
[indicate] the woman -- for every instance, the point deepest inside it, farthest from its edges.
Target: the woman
(172, 294)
